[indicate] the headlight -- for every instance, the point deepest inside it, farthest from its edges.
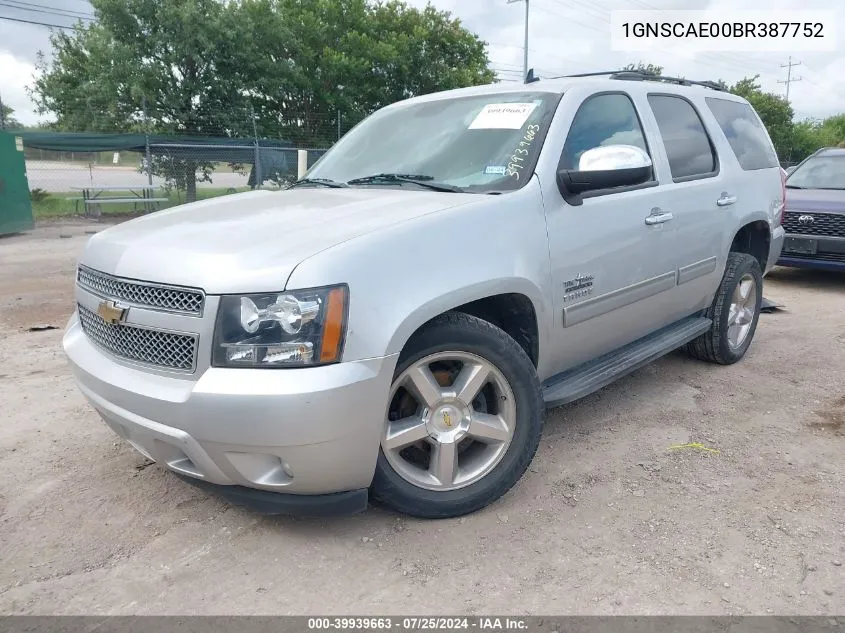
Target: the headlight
(300, 328)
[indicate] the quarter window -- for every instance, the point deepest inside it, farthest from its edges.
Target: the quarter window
(687, 144)
(745, 133)
(608, 119)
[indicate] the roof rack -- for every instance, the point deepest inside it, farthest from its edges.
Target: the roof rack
(639, 75)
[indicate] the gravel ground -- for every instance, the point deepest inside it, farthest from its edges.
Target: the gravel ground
(608, 520)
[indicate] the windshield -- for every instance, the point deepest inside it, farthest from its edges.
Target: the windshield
(819, 172)
(482, 143)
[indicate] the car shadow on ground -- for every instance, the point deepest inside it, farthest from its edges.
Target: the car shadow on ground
(808, 277)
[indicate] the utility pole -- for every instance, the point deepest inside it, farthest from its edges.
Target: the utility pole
(789, 77)
(525, 47)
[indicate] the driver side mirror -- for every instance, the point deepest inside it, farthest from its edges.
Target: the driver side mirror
(604, 167)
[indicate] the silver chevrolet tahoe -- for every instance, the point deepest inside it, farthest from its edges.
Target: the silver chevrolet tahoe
(394, 325)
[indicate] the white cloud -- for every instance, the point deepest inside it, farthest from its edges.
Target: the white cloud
(15, 75)
(565, 36)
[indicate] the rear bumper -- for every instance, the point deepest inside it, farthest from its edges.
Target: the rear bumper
(289, 432)
(775, 248)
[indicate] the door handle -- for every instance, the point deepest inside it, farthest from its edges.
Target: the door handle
(725, 200)
(657, 217)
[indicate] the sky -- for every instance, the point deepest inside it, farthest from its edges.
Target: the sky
(565, 37)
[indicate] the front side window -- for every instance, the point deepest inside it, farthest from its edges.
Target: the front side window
(480, 144)
(819, 172)
(686, 141)
(608, 119)
(745, 133)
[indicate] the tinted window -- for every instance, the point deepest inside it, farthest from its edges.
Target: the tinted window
(602, 120)
(745, 133)
(686, 141)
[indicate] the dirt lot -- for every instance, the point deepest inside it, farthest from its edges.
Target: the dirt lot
(608, 520)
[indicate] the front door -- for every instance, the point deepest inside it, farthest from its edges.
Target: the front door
(613, 271)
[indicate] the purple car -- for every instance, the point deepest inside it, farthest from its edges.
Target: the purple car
(815, 212)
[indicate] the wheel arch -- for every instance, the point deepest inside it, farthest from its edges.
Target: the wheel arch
(754, 238)
(514, 305)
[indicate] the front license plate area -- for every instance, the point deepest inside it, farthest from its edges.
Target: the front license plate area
(801, 245)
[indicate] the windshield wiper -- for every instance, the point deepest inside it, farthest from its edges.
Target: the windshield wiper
(416, 179)
(325, 182)
(793, 187)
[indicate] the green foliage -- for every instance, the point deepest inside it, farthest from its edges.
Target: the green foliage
(316, 61)
(9, 121)
(832, 129)
(204, 66)
(38, 195)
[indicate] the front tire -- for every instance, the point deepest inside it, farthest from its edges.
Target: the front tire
(735, 312)
(464, 420)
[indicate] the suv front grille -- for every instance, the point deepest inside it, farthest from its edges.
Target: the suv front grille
(158, 348)
(828, 224)
(144, 294)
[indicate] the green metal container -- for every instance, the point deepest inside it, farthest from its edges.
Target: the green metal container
(15, 204)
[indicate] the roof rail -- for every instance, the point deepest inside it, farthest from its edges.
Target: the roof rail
(640, 75)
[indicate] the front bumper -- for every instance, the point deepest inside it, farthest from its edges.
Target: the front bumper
(824, 252)
(313, 431)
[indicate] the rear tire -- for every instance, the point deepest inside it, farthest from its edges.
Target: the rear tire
(735, 312)
(464, 420)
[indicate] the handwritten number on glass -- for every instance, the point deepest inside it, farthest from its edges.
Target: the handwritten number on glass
(521, 152)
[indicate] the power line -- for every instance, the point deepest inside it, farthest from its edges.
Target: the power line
(42, 8)
(584, 9)
(53, 26)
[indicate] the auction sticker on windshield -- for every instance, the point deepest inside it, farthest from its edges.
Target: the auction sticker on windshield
(502, 116)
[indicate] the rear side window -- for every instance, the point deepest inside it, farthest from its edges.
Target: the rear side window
(745, 133)
(605, 119)
(687, 144)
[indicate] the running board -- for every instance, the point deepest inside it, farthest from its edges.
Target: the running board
(593, 375)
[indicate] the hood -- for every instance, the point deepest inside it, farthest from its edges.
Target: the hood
(252, 242)
(818, 200)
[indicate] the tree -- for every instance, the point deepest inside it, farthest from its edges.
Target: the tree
(832, 130)
(177, 60)
(774, 111)
(204, 66)
(333, 62)
(7, 120)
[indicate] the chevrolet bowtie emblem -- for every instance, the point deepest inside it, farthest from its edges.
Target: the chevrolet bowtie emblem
(447, 419)
(111, 312)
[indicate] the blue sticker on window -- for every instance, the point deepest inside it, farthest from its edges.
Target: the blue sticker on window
(495, 169)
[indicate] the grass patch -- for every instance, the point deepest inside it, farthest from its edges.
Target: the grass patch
(64, 204)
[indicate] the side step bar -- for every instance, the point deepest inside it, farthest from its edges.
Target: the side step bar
(583, 380)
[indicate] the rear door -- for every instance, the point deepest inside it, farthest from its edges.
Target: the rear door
(748, 148)
(698, 193)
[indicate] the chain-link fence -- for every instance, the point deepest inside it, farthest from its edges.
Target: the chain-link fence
(156, 176)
